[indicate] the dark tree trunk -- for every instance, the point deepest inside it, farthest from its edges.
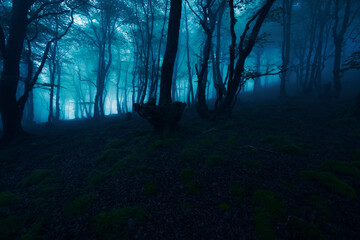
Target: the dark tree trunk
(245, 48)
(339, 41)
(9, 106)
(190, 97)
(170, 53)
(167, 114)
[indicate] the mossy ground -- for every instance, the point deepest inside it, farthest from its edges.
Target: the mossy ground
(269, 172)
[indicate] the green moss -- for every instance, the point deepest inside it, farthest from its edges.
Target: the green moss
(224, 206)
(97, 178)
(190, 155)
(277, 140)
(293, 149)
(161, 144)
(10, 226)
(115, 224)
(357, 155)
(8, 198)
(304, 230)
(79, 205)
(231, 141)
(252, 164)
(345, 168)
(45, 157)
(192, 187)
(44, 190)
(237, 192)
(330, 182)
(115, 143)
(215, 160)
(263, 225)
(34, 233)
(131, 163)
(321, 206)
(150, 189)
(207, 143)
(187, 205)
(356, 164)
(108, 157)
(188, 174)
(268, 211)
(36, 177)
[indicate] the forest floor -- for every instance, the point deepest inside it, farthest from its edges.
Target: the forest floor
(276, 170)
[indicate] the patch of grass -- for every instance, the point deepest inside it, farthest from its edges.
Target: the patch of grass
(192, 187)
(215, 160)
(188, 174)
(79, 205)
(8, 198)
(34, 233)
(268, 212)
(330, 182)
(345, 168)
(10, 226)
(107, 157)
(224, 206)
(304, 230)
(150, 189)
(237, 192)
(115, 224)
(97, 178)
(293, 149)
(115, 143)
(190, 155)
(36, 177)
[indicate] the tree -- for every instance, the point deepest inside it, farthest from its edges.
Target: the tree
(240, 52)
(11, 48)
(167, 113)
